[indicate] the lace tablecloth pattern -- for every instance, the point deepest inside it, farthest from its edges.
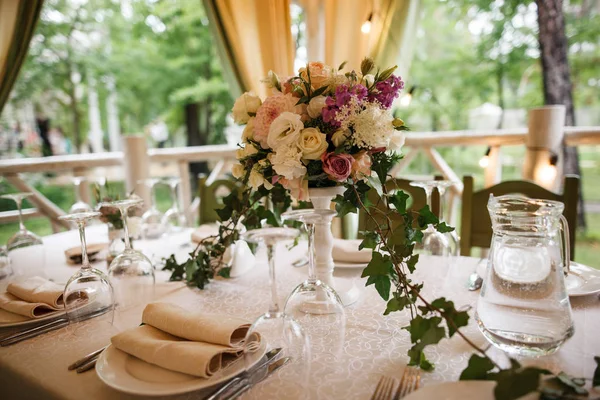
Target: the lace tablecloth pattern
(371, 345)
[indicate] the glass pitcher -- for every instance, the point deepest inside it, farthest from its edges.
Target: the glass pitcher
(523, 305)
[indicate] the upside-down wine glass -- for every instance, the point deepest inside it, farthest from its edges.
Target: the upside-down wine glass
(277, 329)
(79, 206)
(174, 219)
(25, 248)
(453, 239)
(434, 243)
(5, 268)
(152, 220)
(88, 293)
(131, 272)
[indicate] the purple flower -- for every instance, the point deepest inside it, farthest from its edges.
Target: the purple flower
(386, 91)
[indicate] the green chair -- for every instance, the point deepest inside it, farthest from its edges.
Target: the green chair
(416, 201)
(476, 226)
(211, 197)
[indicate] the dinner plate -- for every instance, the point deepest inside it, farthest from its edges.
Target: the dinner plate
(32, 322)
(461, 390)
(339, 264)
(131, 375)
(582, 280)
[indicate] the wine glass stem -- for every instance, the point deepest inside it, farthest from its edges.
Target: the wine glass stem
(174, 196)
(19, 202)
(153, 189)
(77, 184)
(442, 193)
(85, 263)
(125, 228)
(310, 228)
(274, 307)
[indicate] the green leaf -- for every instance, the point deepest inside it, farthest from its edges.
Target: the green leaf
(382, 285)
(443, 228)
(426, 217)
(411, 263)
(376, 184)
(596, 378)
(190, 267)
(370, 241)
(379, 265)
(342, 65)
(399, 199)
(225, 272)
(512, 384)
(477, 368)
(319, 91)
(426, 330)
(570, 384)
(396, 304)
(343, 207)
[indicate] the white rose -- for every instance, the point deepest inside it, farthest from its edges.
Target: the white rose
(245, 151)
(256, 180)
(339, 137)
(369, 78)
(312, 143)
(315, 106)
(238, 171)
(397, 141)
(248, 133)
(246, 104)
(286, 162)
(284, 130)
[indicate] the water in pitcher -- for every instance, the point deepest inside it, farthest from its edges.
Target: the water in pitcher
(523, 306)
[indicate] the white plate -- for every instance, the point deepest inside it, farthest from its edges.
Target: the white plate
(461, 390)
(339, 264)
(34, 321)
(582, 280)
(131, 375)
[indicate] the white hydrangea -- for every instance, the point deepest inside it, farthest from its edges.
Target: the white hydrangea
(372, 127)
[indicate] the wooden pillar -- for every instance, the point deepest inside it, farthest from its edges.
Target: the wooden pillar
(544, 140)
(137, 166)
(493, 172)
(185, 191)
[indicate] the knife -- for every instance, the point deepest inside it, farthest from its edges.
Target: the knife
(259, 376)
(270, 355)
(51, 326)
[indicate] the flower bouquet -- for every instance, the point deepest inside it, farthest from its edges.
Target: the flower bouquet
(319, 128)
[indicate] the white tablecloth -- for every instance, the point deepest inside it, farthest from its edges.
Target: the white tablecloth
(373, 345)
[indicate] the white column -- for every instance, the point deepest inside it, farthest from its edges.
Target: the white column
(112, 114)
(95, 133)
(545, 136)
(137, 166)
(493, 172)
(315, 35)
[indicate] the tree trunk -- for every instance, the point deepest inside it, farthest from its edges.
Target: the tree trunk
(194, 136)
(557, 78)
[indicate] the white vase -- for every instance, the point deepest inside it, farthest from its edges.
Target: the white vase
(321, 198)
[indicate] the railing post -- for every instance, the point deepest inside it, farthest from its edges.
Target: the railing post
(543, 146)
(493, 172)
(84, 187)
(185, 191)
(137, 166)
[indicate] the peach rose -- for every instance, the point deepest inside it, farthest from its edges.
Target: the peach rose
(298, 187)
(319, 74)
(361, 168)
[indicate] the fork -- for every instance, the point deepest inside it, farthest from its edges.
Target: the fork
(384, 388)
(410, 381)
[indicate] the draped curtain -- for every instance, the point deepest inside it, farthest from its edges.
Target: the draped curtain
(252, 37)
(17, 23)
(390, 41)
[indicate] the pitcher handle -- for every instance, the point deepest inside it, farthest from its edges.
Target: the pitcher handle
(566, 245)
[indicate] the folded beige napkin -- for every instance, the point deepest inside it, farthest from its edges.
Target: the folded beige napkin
(35, 297)
(204, 231)
(178, 340)
(347, 251)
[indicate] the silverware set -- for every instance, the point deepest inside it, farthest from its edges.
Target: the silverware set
(409, 382)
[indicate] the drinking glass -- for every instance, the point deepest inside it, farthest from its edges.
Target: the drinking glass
(152, 219)
(5, 268)
(276, 328)
(131, 272)
(523, 306)
(434, 243)
(25, 248)
(453, 239)
(174, 220)
(312, 296)
(79, 206)
(87, 293)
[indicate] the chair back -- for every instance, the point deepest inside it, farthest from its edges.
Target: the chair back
(476, 225)
(211, 197)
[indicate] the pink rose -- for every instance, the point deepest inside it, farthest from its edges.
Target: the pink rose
(287, 87)
(298, 187)
(272, 107)
(319, 74)
(362, 165)
(337, 166)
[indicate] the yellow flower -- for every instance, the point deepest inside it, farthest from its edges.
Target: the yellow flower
(312, 143)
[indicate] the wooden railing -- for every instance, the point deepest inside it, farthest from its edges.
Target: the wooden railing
(224, 155)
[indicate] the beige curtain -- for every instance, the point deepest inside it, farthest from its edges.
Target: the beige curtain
(17, 23)
(390, 41)
(252, 37)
